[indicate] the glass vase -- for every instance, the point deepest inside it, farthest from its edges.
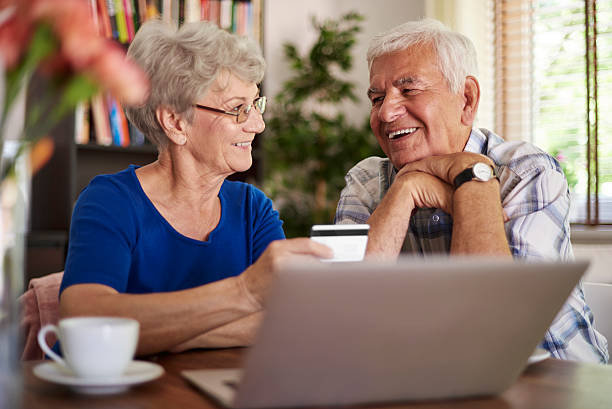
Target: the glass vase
(14, 200)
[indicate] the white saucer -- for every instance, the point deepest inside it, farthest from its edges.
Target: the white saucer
(538, 355)
(136, 372)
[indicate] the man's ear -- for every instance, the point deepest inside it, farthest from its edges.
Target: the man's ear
(172, 123)
(471, 98)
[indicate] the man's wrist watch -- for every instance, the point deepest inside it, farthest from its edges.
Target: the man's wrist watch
(480, 171)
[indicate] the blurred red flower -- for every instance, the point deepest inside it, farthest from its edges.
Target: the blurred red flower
(80, 48)
(59, 39)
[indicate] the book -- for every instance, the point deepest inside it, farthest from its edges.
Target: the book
(104, 26)
(123, 122)
(100, 119)
(225, 15)
(214, 11)
(153, 8)
(93, 8)
(81, 123)
(141, 6)
(181, 12)
(112, 17)
(205, 10)
(192, 11)
(129, 18)
(121, 21)
(137, 137)
(115, 128)
(256, 20)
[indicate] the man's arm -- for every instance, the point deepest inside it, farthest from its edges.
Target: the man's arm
(389, 216)
(478, 222)
(478, 219)
(389, 222)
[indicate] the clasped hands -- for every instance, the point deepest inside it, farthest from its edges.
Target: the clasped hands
(429, 181)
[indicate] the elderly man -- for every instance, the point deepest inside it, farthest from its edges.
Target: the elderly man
(448, 187)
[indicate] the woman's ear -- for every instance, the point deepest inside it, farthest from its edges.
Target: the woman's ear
(172, 123)
(471, 97)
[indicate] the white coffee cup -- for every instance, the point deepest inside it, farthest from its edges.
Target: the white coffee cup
(93, 347)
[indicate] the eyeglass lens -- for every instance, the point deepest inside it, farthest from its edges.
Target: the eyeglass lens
(259, 104)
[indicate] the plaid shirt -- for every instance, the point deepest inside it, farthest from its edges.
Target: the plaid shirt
(534, 195)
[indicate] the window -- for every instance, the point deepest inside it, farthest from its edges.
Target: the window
(554, 88)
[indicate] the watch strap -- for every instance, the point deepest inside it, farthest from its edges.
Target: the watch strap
(468, 174)
(465, 176)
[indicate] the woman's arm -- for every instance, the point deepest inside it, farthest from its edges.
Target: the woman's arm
(166, 319)
(237, 333)
(172, 318)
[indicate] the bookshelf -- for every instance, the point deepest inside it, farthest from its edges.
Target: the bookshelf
(92, 142)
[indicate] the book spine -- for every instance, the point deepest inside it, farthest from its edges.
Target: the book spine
(104, 26)
(234, 17)
(100, 119)
(113, 116)
(81, 123)
(205, 10)
(142, 12)
(129, 18)
(166, 11)
(255, 18)
(137, 137)
(181, 12)
(112, 18)
(123, 123)
(192, 11)
(225, 15)
(93, 8)
(215, 6)
(153, 9)
(121, 21)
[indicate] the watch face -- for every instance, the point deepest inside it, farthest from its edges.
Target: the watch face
(482, 171)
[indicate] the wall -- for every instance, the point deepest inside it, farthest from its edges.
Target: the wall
(289, 21)
(474, 19)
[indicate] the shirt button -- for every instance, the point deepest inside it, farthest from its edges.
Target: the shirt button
(435, 218)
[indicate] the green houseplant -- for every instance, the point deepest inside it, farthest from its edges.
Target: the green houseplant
(309, 143)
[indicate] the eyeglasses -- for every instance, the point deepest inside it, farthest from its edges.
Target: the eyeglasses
(241, 112)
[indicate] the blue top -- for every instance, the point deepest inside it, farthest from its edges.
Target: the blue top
(119, 239)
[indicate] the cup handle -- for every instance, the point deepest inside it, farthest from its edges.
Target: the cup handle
(43, 343)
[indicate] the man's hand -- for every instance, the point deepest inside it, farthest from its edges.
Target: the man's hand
(423, 190)
(445, 167)
(259, 276)
(477, 213)
(389, 222)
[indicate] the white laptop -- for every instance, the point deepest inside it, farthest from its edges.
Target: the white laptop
(341, 334)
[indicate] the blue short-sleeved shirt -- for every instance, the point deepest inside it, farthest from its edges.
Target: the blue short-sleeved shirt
(119, 239)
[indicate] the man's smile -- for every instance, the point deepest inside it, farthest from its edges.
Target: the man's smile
(400, 132)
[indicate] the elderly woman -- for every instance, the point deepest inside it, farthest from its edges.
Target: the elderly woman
(173, 244)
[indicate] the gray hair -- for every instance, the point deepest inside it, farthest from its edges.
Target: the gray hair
(182, 65)
(455, 52)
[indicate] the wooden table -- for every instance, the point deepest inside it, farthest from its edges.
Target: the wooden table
(551, 384)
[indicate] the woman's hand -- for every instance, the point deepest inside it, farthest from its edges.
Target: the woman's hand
(258, 277)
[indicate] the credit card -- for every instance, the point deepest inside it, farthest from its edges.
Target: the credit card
(348, 241)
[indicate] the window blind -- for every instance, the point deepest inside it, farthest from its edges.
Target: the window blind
(554, 88)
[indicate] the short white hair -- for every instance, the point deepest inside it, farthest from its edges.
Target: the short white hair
(182, 65)
(456, 55)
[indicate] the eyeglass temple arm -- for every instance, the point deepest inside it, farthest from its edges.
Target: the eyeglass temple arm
(216, 110)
